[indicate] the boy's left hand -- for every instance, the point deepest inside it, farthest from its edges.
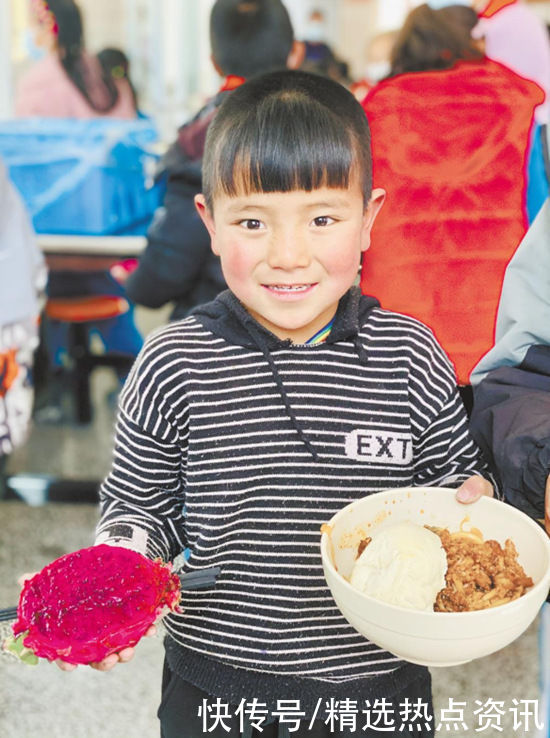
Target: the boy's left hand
(474, 488)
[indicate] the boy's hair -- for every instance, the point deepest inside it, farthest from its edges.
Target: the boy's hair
(249, 37)
(284, 131)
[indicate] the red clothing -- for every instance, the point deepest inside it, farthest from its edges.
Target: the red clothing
(494, 6)
(450, 149)
(46, 91)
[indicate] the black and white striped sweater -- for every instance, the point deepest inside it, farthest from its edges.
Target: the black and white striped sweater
(237, 446)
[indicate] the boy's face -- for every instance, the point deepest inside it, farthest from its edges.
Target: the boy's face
(290, 256)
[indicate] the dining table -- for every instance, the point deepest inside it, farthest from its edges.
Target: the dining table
(88, 253)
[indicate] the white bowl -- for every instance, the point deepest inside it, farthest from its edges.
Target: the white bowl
(435, 638)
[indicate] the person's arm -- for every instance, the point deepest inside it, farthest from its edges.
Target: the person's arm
(445, 452)
(511, 423)
(178, 244)
(142, 497)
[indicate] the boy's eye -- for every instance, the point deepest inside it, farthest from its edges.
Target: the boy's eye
(323, 220)
(251, 224)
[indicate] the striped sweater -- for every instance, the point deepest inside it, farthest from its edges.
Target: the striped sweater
(236, 446)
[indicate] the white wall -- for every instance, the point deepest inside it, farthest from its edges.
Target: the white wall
(104, 23)
(357, 24)
(542, 9)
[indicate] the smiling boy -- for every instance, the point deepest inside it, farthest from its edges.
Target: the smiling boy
(246, 426)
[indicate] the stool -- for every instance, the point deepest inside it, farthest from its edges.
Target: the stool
(79, 313)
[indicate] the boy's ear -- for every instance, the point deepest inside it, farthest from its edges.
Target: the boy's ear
(371, 211)
(206, 217)
(296, 56)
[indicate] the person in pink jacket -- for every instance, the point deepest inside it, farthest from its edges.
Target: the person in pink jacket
(67, 82)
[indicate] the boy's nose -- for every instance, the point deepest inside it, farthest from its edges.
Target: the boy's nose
(288, 251)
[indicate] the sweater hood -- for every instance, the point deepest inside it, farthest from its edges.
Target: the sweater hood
(227, 318)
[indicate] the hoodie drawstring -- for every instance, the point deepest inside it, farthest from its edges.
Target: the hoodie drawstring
(351, 302)
(280, 386)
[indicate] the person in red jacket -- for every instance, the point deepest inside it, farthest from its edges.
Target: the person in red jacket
(450, 133)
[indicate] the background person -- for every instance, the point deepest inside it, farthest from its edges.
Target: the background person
(319, 57)
(178, 264)
(451, 131)
(377, 65)
(511, 414)
(116, 66)
(67, 82)
(22, 282)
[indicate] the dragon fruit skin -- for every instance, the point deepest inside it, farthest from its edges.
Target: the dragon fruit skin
(94, 602)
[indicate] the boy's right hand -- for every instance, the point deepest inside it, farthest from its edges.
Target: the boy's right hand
(127, 654)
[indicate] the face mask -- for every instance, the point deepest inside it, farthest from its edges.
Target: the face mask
(33, 51)
(315, 32)
(375, 71)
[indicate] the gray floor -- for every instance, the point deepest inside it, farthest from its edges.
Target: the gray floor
(43, 702)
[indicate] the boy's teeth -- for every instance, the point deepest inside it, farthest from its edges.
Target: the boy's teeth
(290, 288)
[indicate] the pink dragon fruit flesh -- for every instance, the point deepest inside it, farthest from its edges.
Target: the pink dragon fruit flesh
(94, 602)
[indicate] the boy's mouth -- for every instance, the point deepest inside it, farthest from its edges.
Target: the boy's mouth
(288, 288)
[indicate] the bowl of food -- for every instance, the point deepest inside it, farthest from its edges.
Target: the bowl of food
(432, 580)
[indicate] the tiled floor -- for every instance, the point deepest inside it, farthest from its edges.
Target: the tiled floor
(43, 702)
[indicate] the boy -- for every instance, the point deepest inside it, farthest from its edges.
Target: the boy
(247, 425)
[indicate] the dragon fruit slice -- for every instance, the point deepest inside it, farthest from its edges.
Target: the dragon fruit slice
(94, 602)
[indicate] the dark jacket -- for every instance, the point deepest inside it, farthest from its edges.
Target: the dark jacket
(178, 264)
(511, 423)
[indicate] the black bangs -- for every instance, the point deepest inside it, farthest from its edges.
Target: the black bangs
(306, 148)
(294, 137)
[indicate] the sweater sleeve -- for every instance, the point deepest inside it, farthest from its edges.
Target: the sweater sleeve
(142, 497)
(445, 452)
(511, 423)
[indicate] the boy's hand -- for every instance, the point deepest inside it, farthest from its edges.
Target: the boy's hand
(23, 578)
(474, 488)
(127, 654)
